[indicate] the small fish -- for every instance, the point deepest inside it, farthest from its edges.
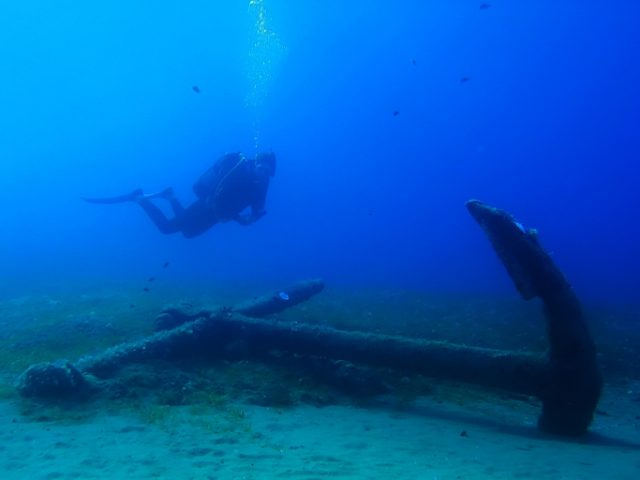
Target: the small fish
(165, 264)
(484, 6)
(284, 296)
(151, 279)
(146, 289)
(413, 62)
(196, 88)
(396, 113)
(465, 79)
(132, 305)
(464, 433)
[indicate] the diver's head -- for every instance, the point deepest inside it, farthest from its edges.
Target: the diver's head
(266, 164)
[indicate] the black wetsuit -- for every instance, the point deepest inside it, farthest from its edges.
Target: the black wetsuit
(230, 186)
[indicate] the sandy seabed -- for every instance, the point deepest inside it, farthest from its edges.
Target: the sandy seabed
(426, 440)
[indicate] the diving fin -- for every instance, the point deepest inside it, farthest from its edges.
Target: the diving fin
(137, 194)
(128, 197)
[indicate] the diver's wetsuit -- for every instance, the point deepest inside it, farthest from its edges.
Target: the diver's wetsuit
(230, 186)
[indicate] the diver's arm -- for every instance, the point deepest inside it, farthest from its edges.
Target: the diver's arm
(257, 207)
(256, 212)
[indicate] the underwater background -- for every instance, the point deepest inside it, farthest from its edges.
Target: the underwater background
(385, 118)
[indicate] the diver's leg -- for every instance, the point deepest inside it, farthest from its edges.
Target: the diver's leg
(176, 206)
(197, 219)
(165, 225)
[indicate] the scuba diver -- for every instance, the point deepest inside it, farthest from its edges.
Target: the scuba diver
(232, 185)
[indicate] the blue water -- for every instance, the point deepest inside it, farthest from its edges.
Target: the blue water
(385, 117)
